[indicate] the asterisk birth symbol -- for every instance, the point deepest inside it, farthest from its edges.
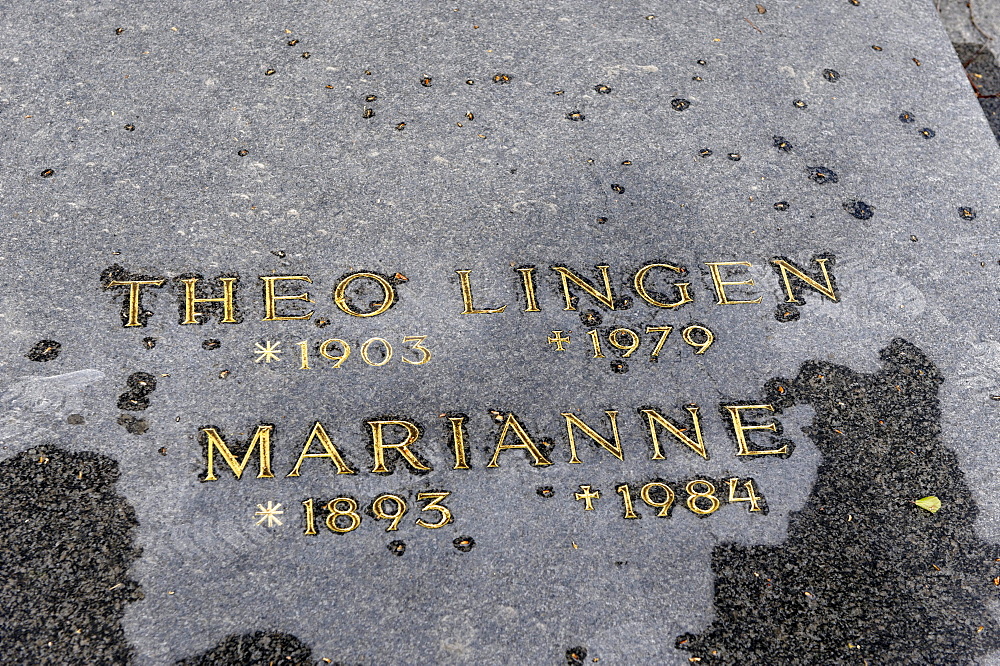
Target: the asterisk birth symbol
(269, 514)
(268, 351)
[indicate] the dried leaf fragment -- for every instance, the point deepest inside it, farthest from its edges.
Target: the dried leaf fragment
(929, 503)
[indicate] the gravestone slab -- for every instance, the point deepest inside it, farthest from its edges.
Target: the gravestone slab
(554, 333)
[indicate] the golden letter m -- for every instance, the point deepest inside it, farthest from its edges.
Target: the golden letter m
(261, 441)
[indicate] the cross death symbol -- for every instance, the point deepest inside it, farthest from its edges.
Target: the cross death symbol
(558, 340)
(588, 496)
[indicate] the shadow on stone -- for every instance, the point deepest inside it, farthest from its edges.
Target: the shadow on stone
(984, 75)
(865, 576)
(66, 539)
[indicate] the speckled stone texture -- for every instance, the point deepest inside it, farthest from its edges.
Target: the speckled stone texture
(224, 142)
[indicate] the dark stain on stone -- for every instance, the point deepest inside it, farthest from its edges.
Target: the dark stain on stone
(140, 385)
(928, 133)
(211, 343)
(782, 144)
(800, 104)
(984, 76)
(501, 78)
(243, 152)
(545, 491)
(130, 127)
(133, 425)
(257, 649)
(602, 89)
(576, 656)
(680, 104)
(149, 343)
(47, 173)
(591, 318)
(781, 205)
(859, 209)
(831, 75)
(705, 152)
(967, 213)
(67, 540)
(736, 157)
(75, 419)
(44, 350)
(865, 575)
(397, 547)
(822, 174)
(618, 189)
(464, 543)
(787, 312)
(619, 367)
(906, 117)
(575, 116)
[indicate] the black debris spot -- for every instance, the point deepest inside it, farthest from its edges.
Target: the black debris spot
(967, 213)
(619, 367)
(575, 116)
(130, 127)
(602, 220)
(782, 144)
(133, 425)
(397, 547)
(705, 152)
(575, 656)
(306, 54)
(545, 491)
(735, 157)
(702, 62)
(211, 343)
(280, 254)
(591, 318)
(119, 31)
(602, 89)
(822, 174)
(781, 205)
(680, 104)
(800, 104)
(786, 312)
(44, 350)
(242, 152)
(426, 81)
(400, 127)
(855, 2)
(368, 112)
(371, 98)
(927, 133)
(257, 649)
(618, 189)
(859, 209)
(47, 173)
(464, 543)
(67, 539)
(876, 48)
(831, 75)
(269, 72)
(697, 78)
(864, 575)
(470, 82)
(75, 419)
(149, 343)
(322, 322)
(906, 117)
(501, 78)
(627, 163)
(293, 42)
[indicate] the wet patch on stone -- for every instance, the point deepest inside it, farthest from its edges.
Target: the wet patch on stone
(257, 649)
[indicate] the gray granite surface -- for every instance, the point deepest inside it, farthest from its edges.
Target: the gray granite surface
(213, 140)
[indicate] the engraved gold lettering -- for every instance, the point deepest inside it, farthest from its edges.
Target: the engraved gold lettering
(378, 509)
(271, 300)
(135, 296)
(629, 512)
(190, 301)
(318, 433)
(668, 497)
(740, 429)
(310, 510)
(512, 424)
(386, 347)
(261, 441)
(402, 447)
(458, 441)
(639, 282)
(435, 505)
(425, 353)
(388, 294)
(720, 284)
(693, 497)
(351, 513)
(528, 284)
(466, 284)
(785, 267)
(345, 349)
(606, 298)
(697, 445)
(664, 331)
(573, 421)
